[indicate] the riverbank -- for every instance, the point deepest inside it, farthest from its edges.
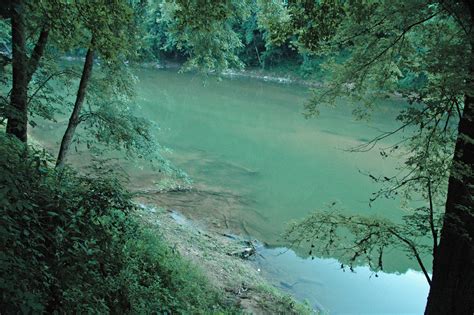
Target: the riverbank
(282, 75)
(223, 259)
(271, 76)
(277, 75)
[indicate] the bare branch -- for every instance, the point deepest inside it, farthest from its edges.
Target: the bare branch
(55, 74)
(365, 147)
(399, 37)
(415, 253)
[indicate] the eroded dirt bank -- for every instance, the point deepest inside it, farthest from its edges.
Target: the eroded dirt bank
(223, 259)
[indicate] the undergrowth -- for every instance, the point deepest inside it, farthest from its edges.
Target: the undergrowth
(73, 244)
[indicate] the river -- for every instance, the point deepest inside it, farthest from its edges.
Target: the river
(257, 164)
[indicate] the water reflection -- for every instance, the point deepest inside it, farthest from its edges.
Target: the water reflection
(324, 285)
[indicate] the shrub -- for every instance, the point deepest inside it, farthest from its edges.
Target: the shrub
(73, 244)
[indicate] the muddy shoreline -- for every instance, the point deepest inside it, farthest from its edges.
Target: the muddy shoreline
(218, 256)
(251, 73)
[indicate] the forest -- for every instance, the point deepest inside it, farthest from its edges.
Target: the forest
(237, 156)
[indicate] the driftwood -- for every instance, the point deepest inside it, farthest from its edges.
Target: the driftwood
(231, 236)
(225, 221)
(244, 253)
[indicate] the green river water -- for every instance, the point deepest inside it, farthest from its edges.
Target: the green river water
(257, 163)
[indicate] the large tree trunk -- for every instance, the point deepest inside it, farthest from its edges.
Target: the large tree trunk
(17, 113)
(75, 116)
(5, 12)
(23, 70)
(452, 288)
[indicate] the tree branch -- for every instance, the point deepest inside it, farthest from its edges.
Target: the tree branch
(47, 80)
(415, 252)
(38, 52)
(402, 34)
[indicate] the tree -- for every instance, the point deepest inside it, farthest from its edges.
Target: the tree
(74, 119)
(23, 68)
(113, 36)
(233, 35)
(203, 30)
(422, 51)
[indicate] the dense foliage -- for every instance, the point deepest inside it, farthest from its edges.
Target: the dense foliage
(73, 244)
(176, 30)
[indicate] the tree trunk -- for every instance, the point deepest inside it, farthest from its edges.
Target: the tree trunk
(5, 12)
(452, 289)
(23, 69)
(75, 116)
(18, 112)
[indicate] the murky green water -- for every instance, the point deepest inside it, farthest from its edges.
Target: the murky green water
(257, 164)
(249, 138)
